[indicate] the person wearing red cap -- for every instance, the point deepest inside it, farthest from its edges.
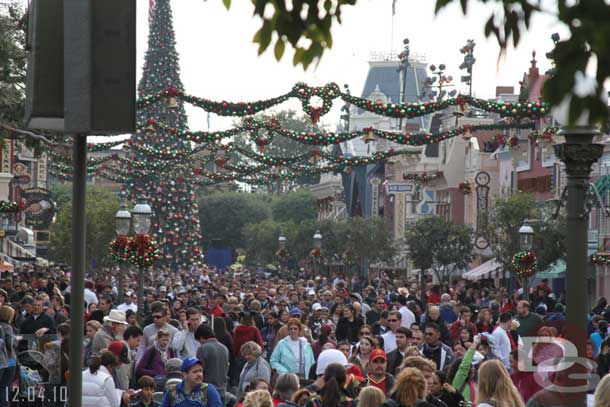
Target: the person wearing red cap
(121, 351)
(378, 376)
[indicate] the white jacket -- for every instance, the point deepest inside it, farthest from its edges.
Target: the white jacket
(99, 389)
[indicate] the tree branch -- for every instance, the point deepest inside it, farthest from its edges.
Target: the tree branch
(35, 136)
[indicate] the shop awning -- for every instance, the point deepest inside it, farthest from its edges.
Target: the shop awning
(482, 272)
(555, 270)
(6, 267)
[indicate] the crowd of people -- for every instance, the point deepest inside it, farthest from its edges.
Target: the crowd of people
(246, 338)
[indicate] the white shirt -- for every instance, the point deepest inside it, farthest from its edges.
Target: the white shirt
(185, 344)
(90, 297)
(389, 342)
(124, 307)
(502, 345)
(408, 318)
(295, 346)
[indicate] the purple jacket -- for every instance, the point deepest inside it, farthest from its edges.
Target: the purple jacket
(151, 363)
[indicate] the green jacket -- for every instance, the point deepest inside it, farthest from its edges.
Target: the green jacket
(461, 377)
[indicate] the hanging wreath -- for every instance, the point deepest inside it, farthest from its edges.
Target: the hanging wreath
(117, 248)
(524, 264)
(601, 259)
(9, 206)
(316, 255)
(282, 254)
(142, 251)
(348, 257)
(465, 188)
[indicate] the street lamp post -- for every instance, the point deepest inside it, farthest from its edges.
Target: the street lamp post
(404, 67)
(578, 153)
(122, 221)
(282, 243)
(526, 242)
(317, 244)
(141, 214)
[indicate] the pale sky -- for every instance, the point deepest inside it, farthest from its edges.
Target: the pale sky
(219, 61)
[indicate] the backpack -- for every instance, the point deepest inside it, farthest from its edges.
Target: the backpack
(204, 394)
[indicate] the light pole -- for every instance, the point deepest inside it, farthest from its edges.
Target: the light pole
(403, 68)
(282, 243)
(526, 242)
(578, 153)
(122, 221)
(141, 214)
(317, 245)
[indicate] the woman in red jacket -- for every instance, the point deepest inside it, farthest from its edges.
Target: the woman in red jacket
(244, 332)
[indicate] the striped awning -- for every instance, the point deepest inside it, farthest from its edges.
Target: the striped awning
(487, 270)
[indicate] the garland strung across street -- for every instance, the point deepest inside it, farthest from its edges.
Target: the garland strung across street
(253, 126)
(422, 177)
(601, 259)
(329, 92)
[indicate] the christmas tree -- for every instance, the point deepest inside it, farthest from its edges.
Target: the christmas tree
(161, 165)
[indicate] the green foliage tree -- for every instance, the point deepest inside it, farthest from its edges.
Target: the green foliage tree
(101, 208)
(294, 206)
(61, 194)
(224, 215)
(12, 62)
(366, 238)
(505, 218)
(439, 245)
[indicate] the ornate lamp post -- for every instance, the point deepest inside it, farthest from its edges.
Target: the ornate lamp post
(122, 221)
(317, 251)
(141, 214)
(526, 242)
(578, 153)
(282, 252)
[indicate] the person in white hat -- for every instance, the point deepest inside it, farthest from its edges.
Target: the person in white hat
(326, 358)
(129, 297)
(112, 330)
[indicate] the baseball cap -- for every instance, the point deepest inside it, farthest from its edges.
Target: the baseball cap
(189, 362)
(316, 306)
(119, 349)
(378, 353)
(173, 365)
(329, 357)
(295, 311)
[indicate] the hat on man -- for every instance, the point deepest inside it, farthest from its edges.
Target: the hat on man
(328, 357)
(119, 349)
(295, 312)
(189, 362)
(316, 307)
(129, 293)
(378, 353)
(173, 365)
(163, 289)
(116, 316)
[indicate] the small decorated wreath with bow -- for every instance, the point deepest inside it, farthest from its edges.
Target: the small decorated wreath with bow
(524, 264)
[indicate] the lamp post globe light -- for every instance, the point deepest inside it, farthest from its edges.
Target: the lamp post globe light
(122, 222)
(526, 236)
(317, 240)
(578, 153)
(282, 241)
(526, 242)
(141, 214)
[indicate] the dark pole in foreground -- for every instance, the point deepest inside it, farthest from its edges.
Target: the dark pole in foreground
(77, 283)
(578, 154)
(141, 295)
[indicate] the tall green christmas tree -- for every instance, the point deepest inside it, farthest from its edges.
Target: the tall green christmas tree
(164, 173)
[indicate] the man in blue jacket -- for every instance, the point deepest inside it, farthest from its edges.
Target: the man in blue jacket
(192, 392)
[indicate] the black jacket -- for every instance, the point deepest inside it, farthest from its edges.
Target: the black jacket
(394, 360)
(348, 330)
(31, 325)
